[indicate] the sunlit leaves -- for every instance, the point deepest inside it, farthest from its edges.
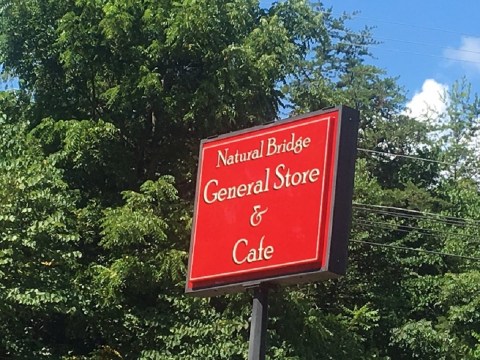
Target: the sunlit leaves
(98, 153)
(38, 253)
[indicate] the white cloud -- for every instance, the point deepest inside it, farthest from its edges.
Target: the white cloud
(429, 102)
(468, 52)
(430, 105)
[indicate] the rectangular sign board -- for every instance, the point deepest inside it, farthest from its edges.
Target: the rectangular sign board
(273, 203)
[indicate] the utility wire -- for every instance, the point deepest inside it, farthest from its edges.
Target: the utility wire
(417, 217)
(432, 55)
(451, 218)
(405, 248)
(408, 229)
(413, 52)
(455, 166)
(409, 25)
(414, 217)
(376, 225)
(404, 156)
(410, 52)
(424, 44)
(382, 41)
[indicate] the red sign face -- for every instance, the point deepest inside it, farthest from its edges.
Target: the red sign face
(264, 202)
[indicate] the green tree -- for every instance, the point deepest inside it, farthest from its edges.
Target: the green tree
(443, 322)
(38, 248)
(98, 156)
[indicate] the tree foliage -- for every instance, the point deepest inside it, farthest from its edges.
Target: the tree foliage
(38, 249)
(98, 150)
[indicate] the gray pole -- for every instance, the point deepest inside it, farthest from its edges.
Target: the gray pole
(258, 325)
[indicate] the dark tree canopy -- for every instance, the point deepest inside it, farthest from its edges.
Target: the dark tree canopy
(98, 155)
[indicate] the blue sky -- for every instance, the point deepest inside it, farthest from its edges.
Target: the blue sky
(427, 43)
(419, 38)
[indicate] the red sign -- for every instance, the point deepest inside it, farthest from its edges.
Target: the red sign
(266, 200)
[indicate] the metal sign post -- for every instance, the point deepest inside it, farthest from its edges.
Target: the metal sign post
(273, 207)
(258, 325)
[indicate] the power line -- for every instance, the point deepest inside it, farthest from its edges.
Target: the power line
(408, 229)
(450, 218)
(400, 212)
(455, 166)
(411, 52)
(425, 44)
(411, 25)
(382, 41)
(416, 217)
(405, 248)
(433, 55)
(404, 156)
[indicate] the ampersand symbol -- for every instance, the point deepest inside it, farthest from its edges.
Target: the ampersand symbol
(256, 217)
